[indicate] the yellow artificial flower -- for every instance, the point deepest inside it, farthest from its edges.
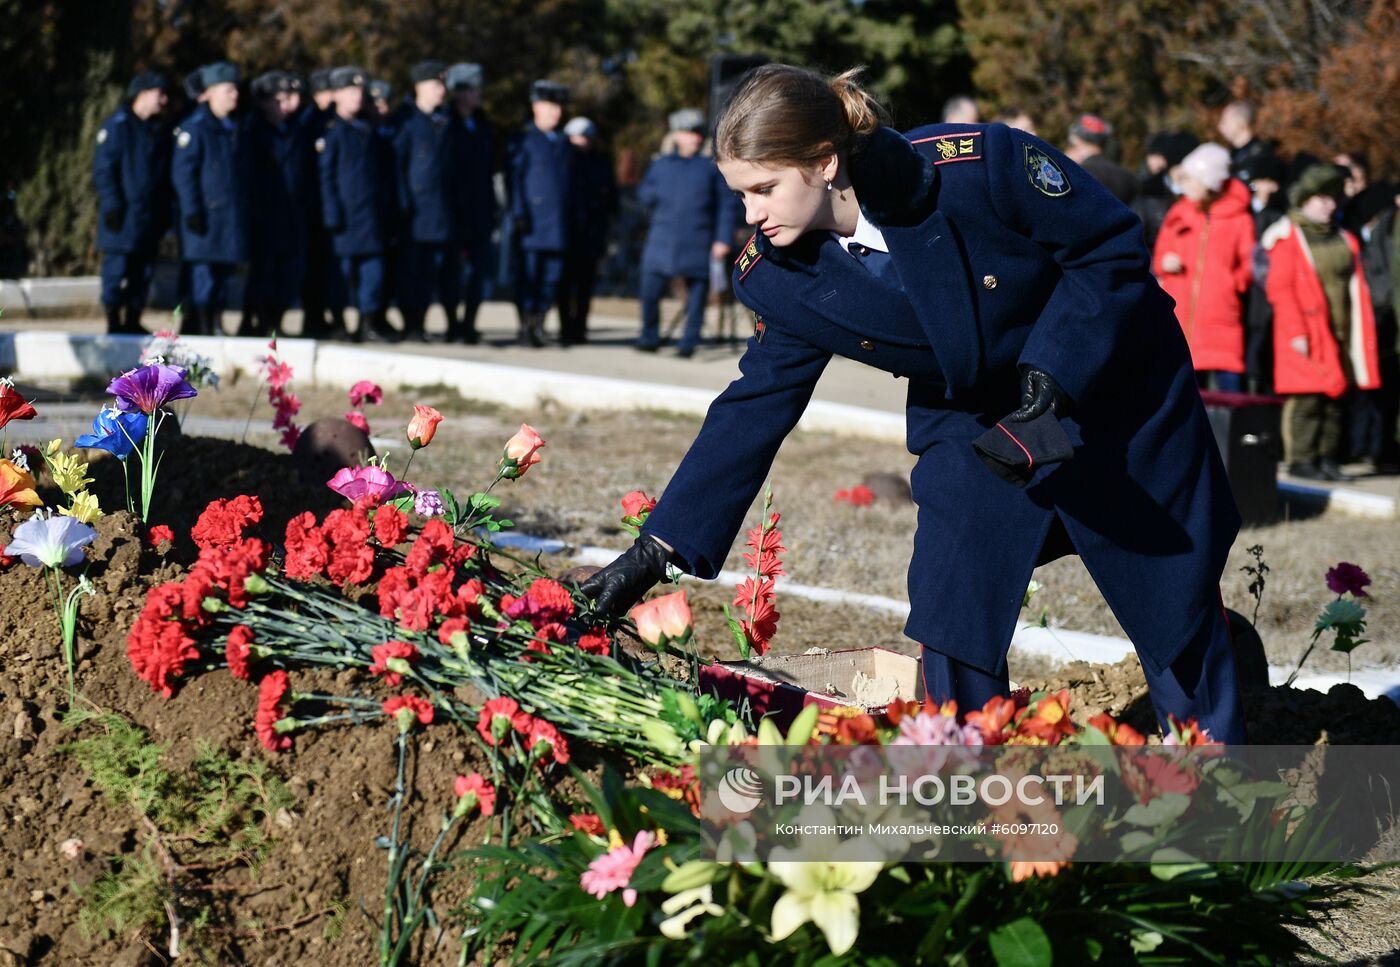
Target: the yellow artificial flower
(53, 446)
(85, 509)
(69, 472)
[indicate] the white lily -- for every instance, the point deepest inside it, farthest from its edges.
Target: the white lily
(824, 893)
(690, 904)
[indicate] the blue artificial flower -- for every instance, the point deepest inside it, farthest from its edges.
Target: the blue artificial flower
(116, 432)
(43, 541)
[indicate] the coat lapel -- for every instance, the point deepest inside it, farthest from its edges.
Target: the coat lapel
(931, 266)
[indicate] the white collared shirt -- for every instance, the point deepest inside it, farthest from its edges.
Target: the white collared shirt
(866, 235)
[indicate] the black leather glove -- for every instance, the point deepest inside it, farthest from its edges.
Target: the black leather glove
(1040, 394)
(197, 222)
(113, 219)
(622, 583)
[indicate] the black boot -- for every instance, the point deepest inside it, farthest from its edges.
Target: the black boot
(537, 330)
(114, 320)
(133, 319)
(413, 325)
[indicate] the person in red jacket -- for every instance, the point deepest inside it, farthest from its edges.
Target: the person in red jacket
(1324, 324)
(1202, 258)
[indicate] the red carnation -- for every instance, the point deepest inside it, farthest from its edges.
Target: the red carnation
(357, 419)
(433, 546)
(159, 533)
(404, 709)
(450, 627)
(270, 693)
(541, 731)
(546, 600)
(237, 650)
(858, 496)
(401, 651)
(158, 644)
(596, 642)
(476, 786)
(496, 719)
(229, 567)
(307, 551)
(587, 823)
(390, 525)
(224, 521)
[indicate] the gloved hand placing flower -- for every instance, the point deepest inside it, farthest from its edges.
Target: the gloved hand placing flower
(621, 584)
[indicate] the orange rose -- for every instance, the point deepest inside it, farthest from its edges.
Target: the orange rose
(521, 452)
(423, 425)
(663, 620)
(17, 486)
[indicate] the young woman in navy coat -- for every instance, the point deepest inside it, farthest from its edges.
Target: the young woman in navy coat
(1013, 292)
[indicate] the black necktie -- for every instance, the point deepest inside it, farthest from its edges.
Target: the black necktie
(877, 263)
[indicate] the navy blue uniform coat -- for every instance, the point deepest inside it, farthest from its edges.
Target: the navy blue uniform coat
(995, 273)
(131, 171)
(210, 173)
(281, 186)
(429, 180)
(691, 208)
(357, 186)
(540, 172)
(476, 148)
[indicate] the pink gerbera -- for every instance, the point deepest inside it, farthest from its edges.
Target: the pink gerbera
(613, 870)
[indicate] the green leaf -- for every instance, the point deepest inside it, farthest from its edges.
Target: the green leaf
(801, 729)
(484, 503)
(1166, 808)
(1136, 841)
(1146, 941)
(1020, 943)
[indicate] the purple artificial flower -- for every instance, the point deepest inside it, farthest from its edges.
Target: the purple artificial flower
(353, 483)
(1347, 577)
(146, 389)
(44, 541)
(428, 503)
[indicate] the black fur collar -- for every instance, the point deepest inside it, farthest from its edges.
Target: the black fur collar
(896, 184)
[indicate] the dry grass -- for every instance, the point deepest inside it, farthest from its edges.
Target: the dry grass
(593, 458)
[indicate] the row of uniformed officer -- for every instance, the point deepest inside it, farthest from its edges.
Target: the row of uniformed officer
(131, 171)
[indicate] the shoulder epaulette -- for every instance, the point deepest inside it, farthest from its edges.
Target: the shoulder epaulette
(749, 256)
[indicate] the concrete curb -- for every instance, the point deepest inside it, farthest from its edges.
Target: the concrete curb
(58, 355)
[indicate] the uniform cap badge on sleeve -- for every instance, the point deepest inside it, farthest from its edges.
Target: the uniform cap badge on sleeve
(758, 327)
(183, 139)
(1044, 174)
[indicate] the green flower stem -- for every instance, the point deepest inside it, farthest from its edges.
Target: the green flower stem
(252, 409)
(1311, 645)
(53, 581)
(395, 869)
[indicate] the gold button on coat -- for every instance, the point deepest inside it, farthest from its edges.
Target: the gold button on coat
(989, 281)
(867, 345)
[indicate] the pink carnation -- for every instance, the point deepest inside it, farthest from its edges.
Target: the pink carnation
(613, 870)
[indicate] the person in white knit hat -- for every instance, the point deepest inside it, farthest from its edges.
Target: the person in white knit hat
(1202, 259)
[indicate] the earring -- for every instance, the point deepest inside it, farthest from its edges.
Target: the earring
(828, 186)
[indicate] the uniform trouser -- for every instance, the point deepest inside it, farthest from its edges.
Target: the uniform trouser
(356, 280)
(274, 283)
(478, 272)
(1200, 684)
(653, 287)
(126, 277)
(209, 286)
(537, 283)
(429, 269)
(313, 285)
(576, 296)
(1312, 427)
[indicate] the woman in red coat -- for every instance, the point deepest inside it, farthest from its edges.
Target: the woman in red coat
(1202, 259)
(1324, 323)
